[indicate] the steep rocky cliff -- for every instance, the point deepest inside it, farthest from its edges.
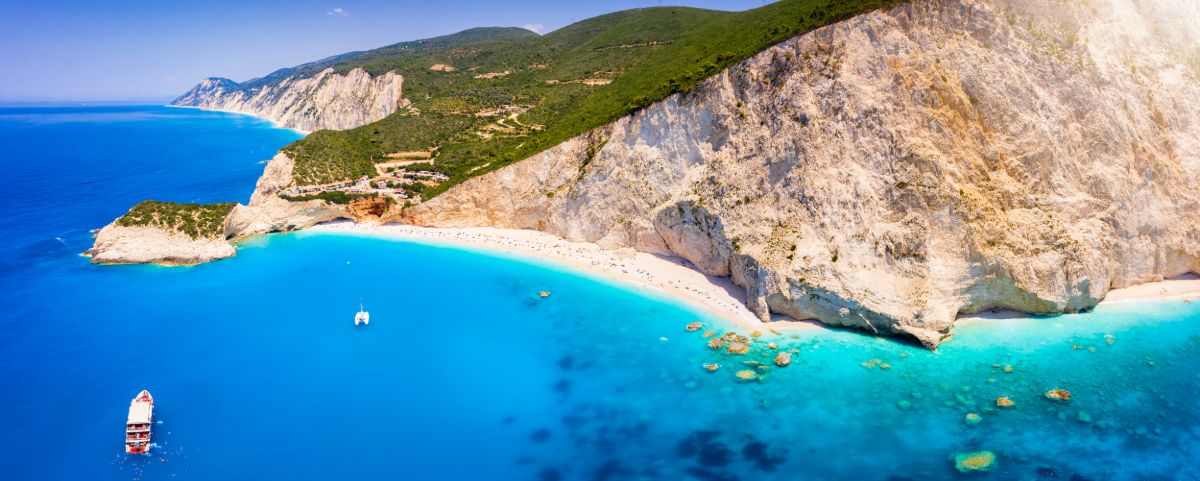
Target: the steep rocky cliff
(327, 100)
(894, 170)
(267, 212)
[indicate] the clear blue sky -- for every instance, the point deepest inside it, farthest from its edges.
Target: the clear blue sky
(155, 49)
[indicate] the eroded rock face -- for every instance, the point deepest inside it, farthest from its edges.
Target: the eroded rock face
(267, 212)
(327, 100)
(368, 209)
(152, 245)
(897, 169)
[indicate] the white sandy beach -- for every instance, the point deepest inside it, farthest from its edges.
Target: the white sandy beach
(1183, 288)
(717, 295)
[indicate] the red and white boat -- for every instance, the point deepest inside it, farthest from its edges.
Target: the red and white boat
(137, 428)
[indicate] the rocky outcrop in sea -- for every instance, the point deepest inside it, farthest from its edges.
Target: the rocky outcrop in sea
(116, 244)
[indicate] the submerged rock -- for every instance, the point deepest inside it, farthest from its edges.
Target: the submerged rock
(975, 461)
(972, 418)
(746, 375)
(1004, 402)
(756, 452)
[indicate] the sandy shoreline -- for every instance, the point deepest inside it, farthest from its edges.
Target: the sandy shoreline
(717, 295)
(1183, 288)
(673, 276)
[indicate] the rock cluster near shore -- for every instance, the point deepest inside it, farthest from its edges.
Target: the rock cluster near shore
(894, 170)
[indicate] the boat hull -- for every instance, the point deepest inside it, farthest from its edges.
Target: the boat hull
(139, 423)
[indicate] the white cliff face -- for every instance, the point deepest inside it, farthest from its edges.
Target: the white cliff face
(897, 169)
(327, 100)
(267, 212)
(152, 245)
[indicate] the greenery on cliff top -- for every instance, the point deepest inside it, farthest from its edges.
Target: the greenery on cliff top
(646, 54)
(415, 46)
(194, 220)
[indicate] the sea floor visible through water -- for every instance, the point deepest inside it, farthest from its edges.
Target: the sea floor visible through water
(465, 372)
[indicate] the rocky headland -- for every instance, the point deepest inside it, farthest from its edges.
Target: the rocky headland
(327, 100)
(117, 244)
(888, 172)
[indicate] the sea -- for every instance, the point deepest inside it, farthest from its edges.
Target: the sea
(466, 373)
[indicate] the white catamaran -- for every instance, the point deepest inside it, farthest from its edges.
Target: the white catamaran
(362, 317)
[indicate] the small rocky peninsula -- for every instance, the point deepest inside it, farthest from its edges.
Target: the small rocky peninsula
(887, 172)
(165, 233)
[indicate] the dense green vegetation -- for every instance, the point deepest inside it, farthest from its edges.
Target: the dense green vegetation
(415, 46)
(646, 54)
(194, 220)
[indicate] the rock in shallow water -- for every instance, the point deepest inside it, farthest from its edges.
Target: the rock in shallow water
(1058, 395)
(975, 461)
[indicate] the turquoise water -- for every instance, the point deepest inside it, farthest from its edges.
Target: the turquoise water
(465, 373)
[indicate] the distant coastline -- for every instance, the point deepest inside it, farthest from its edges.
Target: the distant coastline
(274, 123)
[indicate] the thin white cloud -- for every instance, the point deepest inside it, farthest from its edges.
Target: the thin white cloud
(338, 12)
(534, 27)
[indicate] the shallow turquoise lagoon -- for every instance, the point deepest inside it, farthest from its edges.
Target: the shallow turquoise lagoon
(466, 373)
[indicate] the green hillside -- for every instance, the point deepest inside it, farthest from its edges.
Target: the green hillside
(554, 86)
(194, 220)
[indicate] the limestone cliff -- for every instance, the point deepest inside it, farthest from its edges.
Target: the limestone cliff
(267, 212)
(327, 100)
(902, 167)
(116, 244)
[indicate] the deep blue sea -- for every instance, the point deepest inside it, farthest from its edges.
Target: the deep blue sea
(465, 373)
